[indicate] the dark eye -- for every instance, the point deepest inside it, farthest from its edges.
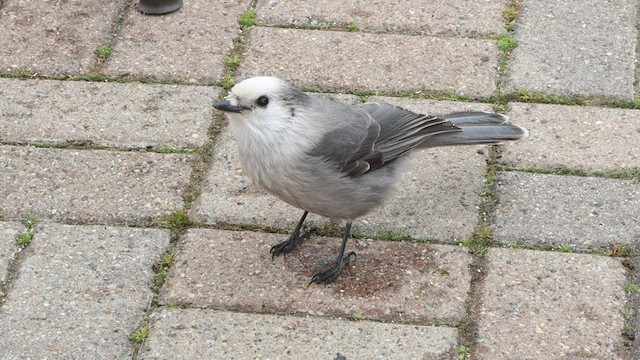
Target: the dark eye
(262, 101)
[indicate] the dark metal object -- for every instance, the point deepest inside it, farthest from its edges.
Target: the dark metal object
(159, 7)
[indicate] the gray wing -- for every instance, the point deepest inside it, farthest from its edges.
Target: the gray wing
(375, 135)
(351, 146)
(402, 130)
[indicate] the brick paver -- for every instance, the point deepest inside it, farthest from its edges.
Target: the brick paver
(577, 137)
(466, 17)
(342, 61)
(81, 291)
(188, 45)
(118, 115)
(575, 48)
(91, 186)
(242, 336)
(54, 37)
(578, 211)
(546, 305)
(392, 281)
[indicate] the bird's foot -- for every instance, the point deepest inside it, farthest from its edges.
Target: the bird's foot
(333, 272)
(288, 245)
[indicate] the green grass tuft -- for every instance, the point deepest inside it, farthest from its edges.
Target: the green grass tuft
(479, 242)
(463, 352)
(104, 51)
(248, 18)
(352, 26)
(358, 316)
(631, 288)
(506, 43)
(392, 236)
(227, 82)
(177, 221)
(140, 334)
(24, 239)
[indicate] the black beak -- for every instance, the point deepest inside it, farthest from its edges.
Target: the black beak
(226, 106)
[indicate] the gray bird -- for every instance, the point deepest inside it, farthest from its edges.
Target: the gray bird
(337, 160)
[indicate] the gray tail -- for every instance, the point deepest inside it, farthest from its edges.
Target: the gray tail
(476, 128)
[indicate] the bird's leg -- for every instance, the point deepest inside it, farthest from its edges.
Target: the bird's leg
(334, 271)
(294, 240)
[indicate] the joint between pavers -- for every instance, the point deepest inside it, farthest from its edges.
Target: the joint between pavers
(506, 43)
(23, 240)
(353, 27)
(631, 313)
(95, 77)
(104, 51)
(478, 244)
(233, 60)
(622, 174)
(160, 267)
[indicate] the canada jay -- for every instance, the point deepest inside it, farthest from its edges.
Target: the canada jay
(337, 160)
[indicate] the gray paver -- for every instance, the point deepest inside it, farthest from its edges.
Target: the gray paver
(442, 181)
(579, 211)
(109, 114)
(90, 186)
(546, 305)
(584, 137)
(575, 48)
(342, 61)
(54, 37)
(189, 44)
(208, 334)
(388, 281)
(80, 293)
(467, 17)
(9, 230)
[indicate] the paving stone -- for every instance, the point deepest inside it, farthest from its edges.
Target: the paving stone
(90, 185)
(549, 305)
(575, 48)
(209, 334)
(109, 114)
(467, 17)
(579, 211)
(9, 230)
(190, 44)
(583, 137)
(392, 281)
(81, 291)
(343, 61)
(443, 181)
(54, 37)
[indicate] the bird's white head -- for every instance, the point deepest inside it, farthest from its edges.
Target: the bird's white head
(262, 101)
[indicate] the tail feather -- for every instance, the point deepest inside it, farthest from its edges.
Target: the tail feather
(477, 128)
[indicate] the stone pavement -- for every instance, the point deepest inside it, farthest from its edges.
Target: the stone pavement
(127, 228)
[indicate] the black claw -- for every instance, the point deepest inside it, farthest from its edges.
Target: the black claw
(288, 245)
(333, 272)
(292, 242)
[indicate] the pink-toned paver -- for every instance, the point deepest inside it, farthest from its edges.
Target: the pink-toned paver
(342, 61)
(462, 17)
(54, 37)
(392, 281)
(189, 44)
